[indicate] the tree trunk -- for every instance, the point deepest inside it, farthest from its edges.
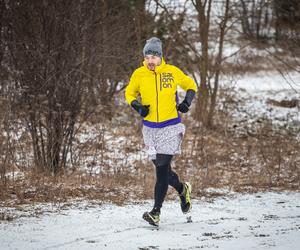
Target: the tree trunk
(218, 66)
(203, 94)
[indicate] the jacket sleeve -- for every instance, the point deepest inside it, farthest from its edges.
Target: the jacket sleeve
(184, 81)
(132, 89)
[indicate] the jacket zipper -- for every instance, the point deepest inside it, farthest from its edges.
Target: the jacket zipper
(156, 96)
(160, 82)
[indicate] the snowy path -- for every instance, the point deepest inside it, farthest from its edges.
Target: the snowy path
(256, 221)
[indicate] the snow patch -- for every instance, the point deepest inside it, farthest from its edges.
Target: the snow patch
(243, 221)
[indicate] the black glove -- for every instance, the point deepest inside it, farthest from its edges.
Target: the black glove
(143, 110)
(184, 106)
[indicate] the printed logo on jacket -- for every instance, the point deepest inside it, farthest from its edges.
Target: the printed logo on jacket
(167, 80)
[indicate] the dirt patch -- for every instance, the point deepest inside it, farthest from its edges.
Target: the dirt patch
(284, 103)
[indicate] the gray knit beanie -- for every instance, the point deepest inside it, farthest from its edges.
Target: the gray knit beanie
(153, 46)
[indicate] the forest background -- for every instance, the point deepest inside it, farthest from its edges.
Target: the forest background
(66, 131)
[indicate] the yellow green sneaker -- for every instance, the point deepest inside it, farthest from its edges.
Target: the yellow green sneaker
(152, 218)
(185, 198)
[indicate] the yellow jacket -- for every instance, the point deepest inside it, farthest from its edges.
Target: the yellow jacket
(159, 90)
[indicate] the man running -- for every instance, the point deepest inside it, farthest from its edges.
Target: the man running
(152, 92)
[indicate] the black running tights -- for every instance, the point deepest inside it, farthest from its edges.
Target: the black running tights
(164, 176)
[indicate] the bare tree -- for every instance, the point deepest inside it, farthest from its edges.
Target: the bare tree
(47, 53)
(256, 18)
(2, 4)
(120, 28)
(65, 58)
(5, 136)
(287, 19)
(218, 63)
(199, 62)
(203, 9)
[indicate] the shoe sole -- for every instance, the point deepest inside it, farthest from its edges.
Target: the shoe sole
(147, 218)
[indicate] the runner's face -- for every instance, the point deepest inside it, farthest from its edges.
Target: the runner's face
(152, 61)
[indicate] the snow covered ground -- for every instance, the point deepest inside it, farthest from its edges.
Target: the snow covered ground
(237, 221)
(268, 81)
(257, 91)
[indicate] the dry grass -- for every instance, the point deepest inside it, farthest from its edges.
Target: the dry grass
(241, 156)
(229, 156)
(40, 188)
